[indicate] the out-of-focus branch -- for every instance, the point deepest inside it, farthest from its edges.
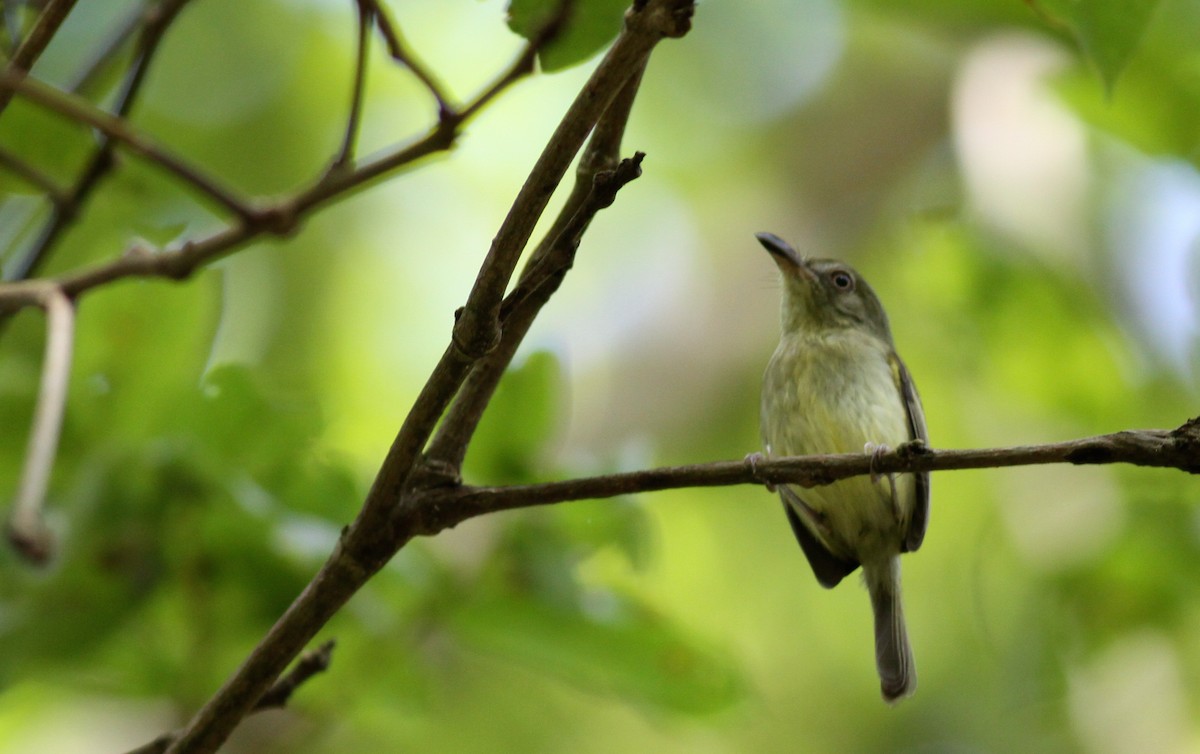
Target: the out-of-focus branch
(1176, 449)
(26, 527)
(278, 217)
(153, 23)
(402, 54)
(33, 177)
(121, 131)
(367, 10)
(51, 18)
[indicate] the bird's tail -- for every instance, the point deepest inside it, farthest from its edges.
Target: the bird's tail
(893, 655)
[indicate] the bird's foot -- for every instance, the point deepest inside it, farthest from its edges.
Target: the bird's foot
(876, 452)
(752, 460)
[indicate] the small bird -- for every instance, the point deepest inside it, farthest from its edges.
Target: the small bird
(836, 385)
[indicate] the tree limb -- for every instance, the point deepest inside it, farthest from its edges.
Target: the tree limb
(478, 328)
(521, 307)
(278, 217)
(1177, 449)
(310, 664)
(371, 540)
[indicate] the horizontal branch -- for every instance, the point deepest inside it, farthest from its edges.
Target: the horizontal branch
(444, 507)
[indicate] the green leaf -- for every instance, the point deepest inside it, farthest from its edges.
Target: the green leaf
(590, 24)
(1108, 31)
(46, 141)
(619, 647)
(519, 421)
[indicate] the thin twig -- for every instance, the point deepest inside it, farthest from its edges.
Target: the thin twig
(310, 663)
(44, 29)
(366, 21)
(33, 176)
(26, 527)
(120, 130)
(278, 217)
(400, 52)
(1178, 449)
(154, 20)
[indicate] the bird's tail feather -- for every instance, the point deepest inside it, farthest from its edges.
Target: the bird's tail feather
(893, 655)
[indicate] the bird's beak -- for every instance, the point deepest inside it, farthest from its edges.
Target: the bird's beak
(787, 259)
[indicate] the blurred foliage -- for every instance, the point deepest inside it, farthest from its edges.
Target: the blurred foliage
(587, 28)
(1042, 281)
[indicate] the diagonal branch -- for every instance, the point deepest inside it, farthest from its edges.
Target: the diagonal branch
(121, 131)
(367, 10)
(1177, 449)
(554, 255)
(377, 533)
(273, 218)
(31, 48)
(33, 177)
(478, 328)
(400, 52)
(310, 664)
(153, 22)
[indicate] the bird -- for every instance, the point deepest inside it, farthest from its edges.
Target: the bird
(835, 384)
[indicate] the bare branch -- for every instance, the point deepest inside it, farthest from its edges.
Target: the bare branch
(373, 538)
(154, 22)
(277, 218)
(26, 528)
(44, 29)
(401, 53)
(602, 154)
(33, 176)
(366, 20)
(478, 328)
(310, 664)
(1178, 449)
(120, 130)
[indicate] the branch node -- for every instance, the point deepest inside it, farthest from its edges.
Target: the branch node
(914, 448)
(670, 19)
(474, 336)
(280, 220)
(1186, 440)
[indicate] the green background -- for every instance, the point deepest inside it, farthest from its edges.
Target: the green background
(1018, 180)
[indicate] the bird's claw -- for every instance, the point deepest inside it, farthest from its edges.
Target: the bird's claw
(752, 460)
(877, 452)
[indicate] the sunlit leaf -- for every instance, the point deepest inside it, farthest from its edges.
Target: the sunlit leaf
(1108, 31)
(518, 423)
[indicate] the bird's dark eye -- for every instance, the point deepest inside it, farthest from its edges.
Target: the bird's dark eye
(842, 280)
